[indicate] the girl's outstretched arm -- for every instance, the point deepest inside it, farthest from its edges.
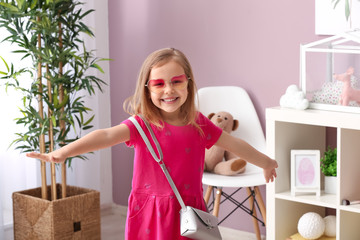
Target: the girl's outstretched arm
(93, 141)
(245, 151)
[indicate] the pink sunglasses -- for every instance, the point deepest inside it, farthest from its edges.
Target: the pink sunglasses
(158, 85)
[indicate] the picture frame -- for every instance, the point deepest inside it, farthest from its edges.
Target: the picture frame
(305, 172)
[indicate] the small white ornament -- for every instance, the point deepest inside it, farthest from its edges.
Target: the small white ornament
(330, 226)
(311, 225)
(294, 98)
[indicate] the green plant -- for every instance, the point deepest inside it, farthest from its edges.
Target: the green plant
(50, 32)
(328, 163)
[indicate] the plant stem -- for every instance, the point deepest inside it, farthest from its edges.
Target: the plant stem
(62, 122)
(51, 137)
(44, 194)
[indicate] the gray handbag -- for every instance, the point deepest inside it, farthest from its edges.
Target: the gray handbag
(194, 223)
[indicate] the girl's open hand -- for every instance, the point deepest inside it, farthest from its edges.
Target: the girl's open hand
(48, 157)
(270, 173)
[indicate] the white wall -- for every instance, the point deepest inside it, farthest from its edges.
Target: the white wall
(96, 173)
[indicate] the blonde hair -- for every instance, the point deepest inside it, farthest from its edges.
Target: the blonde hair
(140, 102)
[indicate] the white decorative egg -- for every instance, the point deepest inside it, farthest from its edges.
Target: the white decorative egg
(330, 226)
(311, 225)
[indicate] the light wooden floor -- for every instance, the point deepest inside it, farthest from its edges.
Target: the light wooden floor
(113, 225)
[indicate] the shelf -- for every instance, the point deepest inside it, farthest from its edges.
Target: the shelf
(325, 200)
(352, 208)
(315, 117)
(289, 129)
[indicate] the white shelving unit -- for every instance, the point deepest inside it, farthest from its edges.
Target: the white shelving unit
(288, 129)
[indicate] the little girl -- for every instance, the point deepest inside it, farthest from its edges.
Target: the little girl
(165, 97)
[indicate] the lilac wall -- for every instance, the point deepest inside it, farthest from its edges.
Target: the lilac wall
(250, 43)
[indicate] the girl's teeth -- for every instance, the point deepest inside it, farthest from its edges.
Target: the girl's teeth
(169, 100)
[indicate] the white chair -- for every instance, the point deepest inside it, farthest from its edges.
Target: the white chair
(236, 101)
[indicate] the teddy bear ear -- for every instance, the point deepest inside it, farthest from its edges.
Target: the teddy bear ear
(211, 115)
(236, 125)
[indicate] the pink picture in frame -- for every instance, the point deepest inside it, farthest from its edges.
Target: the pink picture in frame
(305, 171)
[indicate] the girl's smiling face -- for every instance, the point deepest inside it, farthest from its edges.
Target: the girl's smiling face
(170, 99)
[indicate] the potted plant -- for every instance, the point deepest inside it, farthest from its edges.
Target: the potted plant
(49, 32)
(328, 166)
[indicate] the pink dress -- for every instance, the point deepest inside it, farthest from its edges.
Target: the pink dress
(153, 211)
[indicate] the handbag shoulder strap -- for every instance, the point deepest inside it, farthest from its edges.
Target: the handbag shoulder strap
(159, 159)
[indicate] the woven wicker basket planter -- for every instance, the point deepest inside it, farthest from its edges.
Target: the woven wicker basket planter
(75, 217)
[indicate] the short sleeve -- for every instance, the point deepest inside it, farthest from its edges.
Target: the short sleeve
(211, 132)
(133, 131)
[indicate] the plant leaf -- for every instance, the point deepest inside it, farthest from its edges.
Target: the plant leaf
(336, 3)
(20, 3)
(9, 6)
(94, 65)
(7, 66)
(89, 121)
(33, 4)
(347, 10)
(53, 120)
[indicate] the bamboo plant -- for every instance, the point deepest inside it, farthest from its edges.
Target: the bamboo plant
(51, 33)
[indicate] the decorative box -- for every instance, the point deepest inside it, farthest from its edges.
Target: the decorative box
(75, 217)
(320, 60)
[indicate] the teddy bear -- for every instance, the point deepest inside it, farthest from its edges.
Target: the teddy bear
(218, 160)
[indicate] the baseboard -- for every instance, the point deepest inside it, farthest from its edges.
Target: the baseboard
(120, 207)
(234, 232)
(106, 206)
(8, 232)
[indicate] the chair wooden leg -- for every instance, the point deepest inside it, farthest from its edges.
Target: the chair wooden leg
(207, 194)
(217, 202)
(261, 203)
(255, 222)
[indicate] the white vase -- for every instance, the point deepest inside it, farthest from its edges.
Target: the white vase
(330, 184)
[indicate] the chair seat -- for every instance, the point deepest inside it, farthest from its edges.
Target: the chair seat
(253, 176)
